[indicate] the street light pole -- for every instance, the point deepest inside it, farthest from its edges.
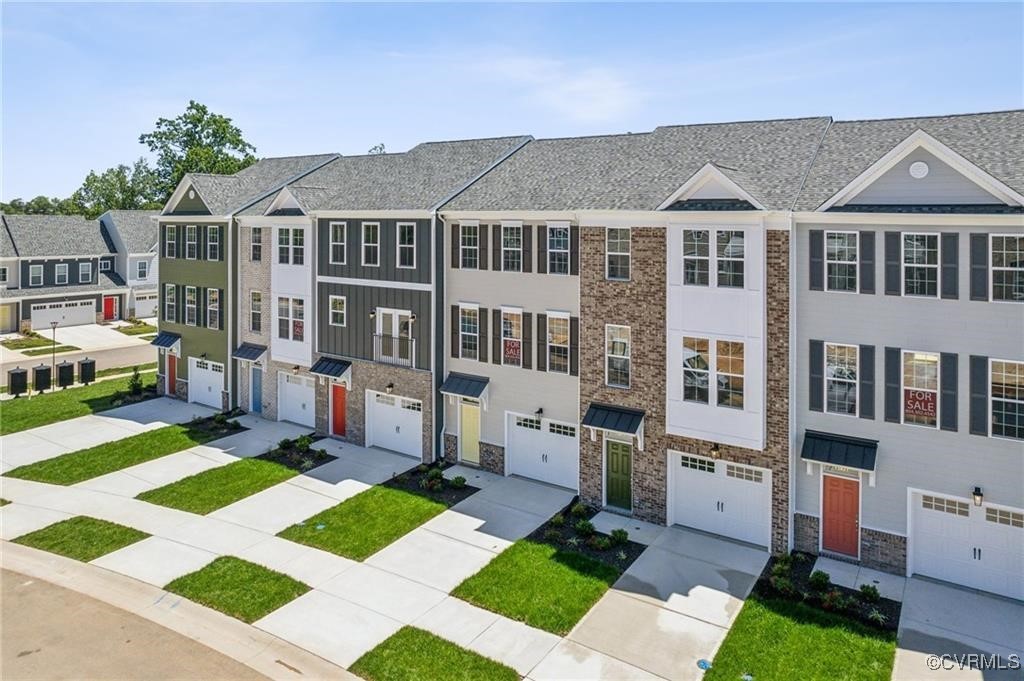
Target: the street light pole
(53, 357)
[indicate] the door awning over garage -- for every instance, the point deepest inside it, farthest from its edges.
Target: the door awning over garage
(839, 450)
(615, 419)
(165, 340)
(249, 352)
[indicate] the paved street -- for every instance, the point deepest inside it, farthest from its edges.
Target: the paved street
(124, 356)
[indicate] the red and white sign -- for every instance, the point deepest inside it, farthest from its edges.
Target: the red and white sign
(919, 403)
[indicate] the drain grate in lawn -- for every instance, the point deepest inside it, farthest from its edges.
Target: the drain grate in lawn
(82, 538)
(413, 654)
(236, 587)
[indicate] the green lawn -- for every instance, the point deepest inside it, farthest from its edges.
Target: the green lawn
(137, 329)
(540, 585)
(364, 524)
(67, 469)
(82, 538)
(148, 337)
(413, 654)
(114, 371)
(238, 588)
(24, 413)
(26, 342)
(779, 639)
(49, 350)
(207, 491)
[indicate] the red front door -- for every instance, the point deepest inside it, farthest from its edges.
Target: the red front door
(841, 511)
(110, 308)
(338, 395)
(172, 370)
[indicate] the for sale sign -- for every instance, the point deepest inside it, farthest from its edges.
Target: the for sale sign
(919, 403)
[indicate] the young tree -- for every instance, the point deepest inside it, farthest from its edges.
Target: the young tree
(119, 188)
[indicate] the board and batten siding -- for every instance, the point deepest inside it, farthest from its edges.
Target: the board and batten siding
(388, 269)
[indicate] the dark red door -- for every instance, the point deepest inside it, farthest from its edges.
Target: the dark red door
(338, 395)
(172, 370)
(841, 505)
(109, 308)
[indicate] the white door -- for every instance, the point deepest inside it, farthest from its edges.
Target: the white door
(977, 546)
(296, 399)
(70, 313)
(543, 450)
(145, 305)
(205, 382)
(395, 423)
(720, 497)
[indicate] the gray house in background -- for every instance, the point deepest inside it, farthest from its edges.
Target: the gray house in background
(134, 233)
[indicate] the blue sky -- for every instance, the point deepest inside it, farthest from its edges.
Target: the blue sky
(82, 81)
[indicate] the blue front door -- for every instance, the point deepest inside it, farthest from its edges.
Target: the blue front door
(257, 390)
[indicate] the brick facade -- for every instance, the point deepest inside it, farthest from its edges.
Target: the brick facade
(806, 530)
(883, 551)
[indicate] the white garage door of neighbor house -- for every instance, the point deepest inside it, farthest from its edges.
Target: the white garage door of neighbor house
(70, 313)
(145, 305)
(296, 399)
(543, 450)
(977, 546)
(205, 382)
(721, 497)
(395, 423)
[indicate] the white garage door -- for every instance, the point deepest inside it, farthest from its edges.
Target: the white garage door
(724, 498)
(205, 382)
(70, 313)
(296, 399)
(394, 423)
(978, 546)
(543, 450)
(145, 305)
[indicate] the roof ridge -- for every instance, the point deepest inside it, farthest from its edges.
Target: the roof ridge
(918, 118)
(739, 122)
(590, 137)
(275, 158)
(473, 139)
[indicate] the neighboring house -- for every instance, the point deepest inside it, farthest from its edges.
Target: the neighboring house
(135, 237)
(57, 268)
(909, 345)
(340, 292)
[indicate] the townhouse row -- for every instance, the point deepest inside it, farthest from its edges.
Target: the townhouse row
(796, 333)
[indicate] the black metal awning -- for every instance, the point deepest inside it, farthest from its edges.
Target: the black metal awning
(839, 450)
(250, 352)
(610, 417)
(165, 339)
(330, 367)
(464, 385)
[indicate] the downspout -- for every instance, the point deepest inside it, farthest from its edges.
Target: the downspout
(437, 368)
(229, 255)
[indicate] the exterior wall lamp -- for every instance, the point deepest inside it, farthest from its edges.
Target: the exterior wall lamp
(715, 450)
(977, 496)
(539, 412)
(390, 388)
(295, 370)
(373, 313)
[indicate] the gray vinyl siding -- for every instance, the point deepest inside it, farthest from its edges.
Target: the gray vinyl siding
(50, 271)
(943, 461)
(388, 269)
(355, 339)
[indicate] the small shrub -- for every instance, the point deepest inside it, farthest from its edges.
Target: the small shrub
(781, 570)
(784, 585)
(584, 528)
(800, 557)
(303, 443)
(135, 382)
(306, 465)
(600, 543)
(834, 601)
(619, 536)
(322, 451)
(458, 482)
(819, 580)
(286, 443)
(785, 560)
(878, 617)
(558, 520)
(621, 555)
(552, 535)
(431, 484)
(435, 474)
(220, 419)
(422, 468)
(578, 510)
(869, 593)
(573, 541)
(235, 425)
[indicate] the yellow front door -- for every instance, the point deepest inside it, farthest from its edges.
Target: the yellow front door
(469, 432)
(7, 319)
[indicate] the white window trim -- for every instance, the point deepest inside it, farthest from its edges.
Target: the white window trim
(330, 311)
(193, 232)
(399, 246)
(463, 248)
(512, 225)
(938, 387)
(86, 267)
(105, 265)
(253, 243)
(856, 382)
(170, 303)
(300, 233)
(57, 270)
(476, 308)
(855, 262)
(992, 271)
(988, 413)
(568, 342)
(343, 243)
(286, 249)
(291, 319)
(522, 348)
(32, 269)
(139, 266)
(712, 385)
(171, 241)
(710, 258)
(567, 250)
(725, 258)
(3, 275)
(364, 243)
(937, 266)
(211, 244)
(194, 306)
(252, 296)
(608, 254)
(629, 357)
(209, 306)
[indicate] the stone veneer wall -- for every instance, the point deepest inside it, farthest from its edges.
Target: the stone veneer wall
(492, 458)
(883, 551)
(451, 448)
(806, 530)
(640, 304)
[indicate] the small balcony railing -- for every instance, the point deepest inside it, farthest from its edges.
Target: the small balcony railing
(397, 350)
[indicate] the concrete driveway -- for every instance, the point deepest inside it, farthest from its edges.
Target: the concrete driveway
(93, 337)
(941, 619)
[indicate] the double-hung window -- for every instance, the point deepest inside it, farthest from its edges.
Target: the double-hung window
(170, 303)
(696, 257)
(841, 379)
(212, 308)
(84, 272)
(469, 246)
(1008, 268)
(921, 388)
(213, 242)
(511, 248)
(191, 306)
(617, 253)
(3, 275)
(61, 273)
(730, 258)
(558, 343)
(617, 355)
(696, 369)
(339, 243)
(469, 332)
(841, 261)
(255, 311)
(142, 269)
(1007, 390)
(105, 265)
(371, 244)
(35, 275)
(256, 244)
(171, 241)
(406, 244)
(191, 242)
(512, 338)
(558, 249)
(298, 246)
(338, 310)
(291, 315)
(284, 246)
(921, 265)
(729, 369)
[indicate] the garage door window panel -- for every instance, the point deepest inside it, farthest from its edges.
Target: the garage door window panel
(1004, 517)
(696, 369)
(61, 273)
(697, 464)
(558, 344)
(1007, 390)
(1008, 268)
(561, 429)
(511, 338)
(191, 308)
(841, 261)
(729, 366)
(944, 505)
(920, 388)
(696, 257)
(841, 379)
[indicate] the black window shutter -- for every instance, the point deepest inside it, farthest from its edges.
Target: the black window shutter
(527, 248)
(574, 346)
(527, 344)
(201, 307)
(979, 394)
(867, 381)
(179, 306)
(456, 345)
(816, 386)
(496, 248)
(574, 249)
(542, 336)
(979, 269)
(892, 264)
(893, 403)
(201, 232)
(950, 277)
(542, 250)
(866, 246)
(481, 339)
(817, 260)
(948, 402)
(496, 340)
(456, 236)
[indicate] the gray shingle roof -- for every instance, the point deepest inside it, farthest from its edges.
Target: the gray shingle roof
(105, 281)
(52, 235)
(639, 171)
(992, 141)
(138, 232)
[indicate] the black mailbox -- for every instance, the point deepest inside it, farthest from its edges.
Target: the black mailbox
(41, 377)
(65, 374)
(86, 370)
(17, 381)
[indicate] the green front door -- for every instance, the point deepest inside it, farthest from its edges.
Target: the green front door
(618, 467)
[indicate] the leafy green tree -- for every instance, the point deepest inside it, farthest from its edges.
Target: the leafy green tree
(197, 141)
(119, 188)
(41, 205)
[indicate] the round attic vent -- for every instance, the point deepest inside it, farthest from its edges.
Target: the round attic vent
(918, 170)
(192, 194)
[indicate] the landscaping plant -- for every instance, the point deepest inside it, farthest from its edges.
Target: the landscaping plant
(135, 382)
(869, 593)
(584, 527)
(819, 580)
(619, 536)
(578, 510)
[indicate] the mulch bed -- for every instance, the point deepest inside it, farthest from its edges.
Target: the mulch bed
(216, 426)
(563, 535)
(413, 480)
(295, 458)
(850, 601)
